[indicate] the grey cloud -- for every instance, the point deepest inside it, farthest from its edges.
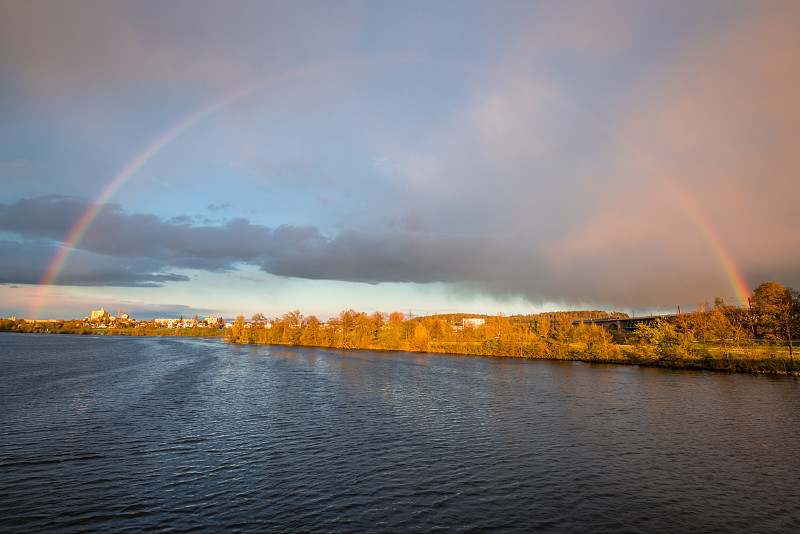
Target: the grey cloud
(53, 48)
(303, 252)
(374, 257)
(411, 223)
(26, 263)
(142, 249)
(21, 167)
(43, 216)
(141, 241)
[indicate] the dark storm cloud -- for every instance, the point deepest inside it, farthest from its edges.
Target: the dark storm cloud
(26, 263)
(374, 257)
(144, 250)
(43, 216)
(173, 243)
(132, 249)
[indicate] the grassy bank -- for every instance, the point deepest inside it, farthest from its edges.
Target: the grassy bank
(661, 345)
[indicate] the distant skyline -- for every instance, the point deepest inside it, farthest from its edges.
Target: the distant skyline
(226, 158)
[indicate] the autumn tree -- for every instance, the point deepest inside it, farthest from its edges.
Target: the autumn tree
(596, 339)
(310, 332)
(291, 327)
(390, 336)
(333, 335)
(658, 340)
(420, 341)
(700, 320)
(777, 312)
(380, 319)
(720, 329)
(237, 332)
(560, 335)
(391, 332)
(542, 327)
(435, 327)
(364, 331)
(685, 323)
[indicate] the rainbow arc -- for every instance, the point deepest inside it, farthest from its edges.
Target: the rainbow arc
(85, 221)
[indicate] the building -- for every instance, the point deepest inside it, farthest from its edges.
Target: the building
(99, 315)
(473, 322)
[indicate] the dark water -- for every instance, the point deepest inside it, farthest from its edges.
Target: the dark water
(116, 434)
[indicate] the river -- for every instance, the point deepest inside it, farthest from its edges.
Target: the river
(178, 434)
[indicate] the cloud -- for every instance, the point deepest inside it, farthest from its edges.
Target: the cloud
(712, 162)
(21, 167)
(54, 50)
(26, 263)
(411, 223)
(146, 241)
(217, 207)
(695, 176)
(248, 277)
(43, 216)
(608, 152)
(143, 250)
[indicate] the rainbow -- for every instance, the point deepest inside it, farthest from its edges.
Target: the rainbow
(86, 219)
(78, 231)
(732, 272)
(735, 277)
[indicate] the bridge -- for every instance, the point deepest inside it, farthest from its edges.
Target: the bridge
(624, 325)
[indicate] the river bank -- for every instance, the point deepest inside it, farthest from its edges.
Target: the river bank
(583, 343)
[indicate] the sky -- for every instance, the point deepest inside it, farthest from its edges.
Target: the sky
(226, 158)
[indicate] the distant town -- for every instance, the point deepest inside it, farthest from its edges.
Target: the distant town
(102, 319)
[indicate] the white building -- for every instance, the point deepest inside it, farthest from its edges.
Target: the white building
(473, 322)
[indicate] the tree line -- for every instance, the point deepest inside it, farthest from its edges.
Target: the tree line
(757, 338)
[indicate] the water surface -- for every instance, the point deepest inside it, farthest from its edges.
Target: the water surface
(125, 433)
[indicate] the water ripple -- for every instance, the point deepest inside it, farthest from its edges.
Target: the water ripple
(181, 435)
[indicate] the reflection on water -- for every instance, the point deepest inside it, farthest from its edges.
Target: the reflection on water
(175, 434)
